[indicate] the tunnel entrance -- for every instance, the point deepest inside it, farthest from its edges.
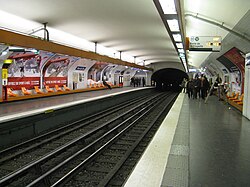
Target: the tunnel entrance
(168, 79)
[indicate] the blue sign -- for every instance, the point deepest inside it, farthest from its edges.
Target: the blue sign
(80, 68)
(117, 71)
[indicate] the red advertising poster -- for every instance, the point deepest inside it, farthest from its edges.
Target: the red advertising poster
(28, 82)
(25, 70)
(55, 71)
(235, 56)
(29, 68)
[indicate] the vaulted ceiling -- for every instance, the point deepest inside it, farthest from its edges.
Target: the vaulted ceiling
(224, 12)
(133, 27)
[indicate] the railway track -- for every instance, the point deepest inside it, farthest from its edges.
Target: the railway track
(93, 147)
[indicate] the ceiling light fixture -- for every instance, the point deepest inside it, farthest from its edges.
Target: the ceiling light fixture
(170, 12)
(177, 37)
(182, 54)
(173, 25)
(168, 6)
(179, 45)
(181, 51)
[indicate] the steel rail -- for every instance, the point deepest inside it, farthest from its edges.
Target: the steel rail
(111, 174)
(66, 177)
(40, 138)
(14, 175)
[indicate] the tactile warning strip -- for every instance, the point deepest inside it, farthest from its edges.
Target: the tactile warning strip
(177, 169)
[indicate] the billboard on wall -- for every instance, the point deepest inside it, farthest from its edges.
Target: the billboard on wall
(55, 71)
(29, 67)
(25, 70)
(95, 71)
(228, 64)
(234, 61)
(236, 56)
(246, 108)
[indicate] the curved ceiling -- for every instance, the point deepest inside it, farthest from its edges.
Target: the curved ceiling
(226, 12)
(131, 26)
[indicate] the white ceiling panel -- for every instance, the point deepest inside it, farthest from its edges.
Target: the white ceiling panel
(131, 26)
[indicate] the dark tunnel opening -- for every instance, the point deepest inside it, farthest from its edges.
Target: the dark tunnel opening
(168, 79)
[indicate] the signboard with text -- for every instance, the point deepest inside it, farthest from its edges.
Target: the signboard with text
(204, 43)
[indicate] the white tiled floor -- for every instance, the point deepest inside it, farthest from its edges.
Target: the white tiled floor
(150, 169)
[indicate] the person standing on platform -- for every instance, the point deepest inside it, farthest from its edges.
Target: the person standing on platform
(135, 82)
(184, 85)
(190, 88)
(106, 84)
(204, 87)
(197, 85)
(132, 81)
(143, 81)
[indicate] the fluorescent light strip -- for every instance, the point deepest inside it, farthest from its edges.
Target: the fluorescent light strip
(181, 50)
(168, 6)
(179, 45)
(173, 25)
(177, 37)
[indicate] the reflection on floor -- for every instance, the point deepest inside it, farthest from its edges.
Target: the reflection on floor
(219, 153)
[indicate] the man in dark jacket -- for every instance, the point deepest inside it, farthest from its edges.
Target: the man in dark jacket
(204, 87)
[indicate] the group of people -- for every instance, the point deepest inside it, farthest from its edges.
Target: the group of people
(197, 87)
(137, 81)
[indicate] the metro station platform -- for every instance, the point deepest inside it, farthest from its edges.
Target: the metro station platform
(198, 145)
(24, 108)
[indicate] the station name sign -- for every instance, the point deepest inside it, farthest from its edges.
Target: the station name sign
(80, 68)
(204, 43)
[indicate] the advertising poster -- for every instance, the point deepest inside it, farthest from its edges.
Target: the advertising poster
(55, 71)
(236, 64)
(246, 108)
(107, 71)
(95, 71)
(25, 70)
